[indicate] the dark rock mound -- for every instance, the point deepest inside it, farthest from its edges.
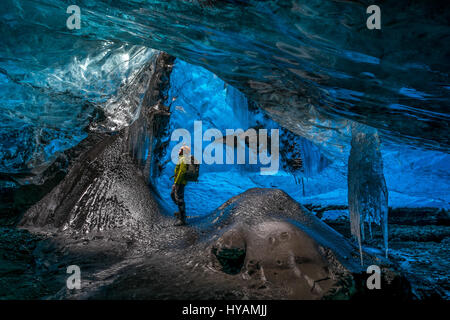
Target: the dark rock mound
(104, 190)
(245, 249)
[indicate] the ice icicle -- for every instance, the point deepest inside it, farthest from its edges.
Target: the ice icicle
(367, 191)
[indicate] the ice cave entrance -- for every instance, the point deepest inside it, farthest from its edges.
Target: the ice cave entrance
(198, 95)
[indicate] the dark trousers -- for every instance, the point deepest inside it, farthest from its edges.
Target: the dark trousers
(177, 195)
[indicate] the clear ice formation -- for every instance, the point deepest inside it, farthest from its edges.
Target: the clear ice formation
(367, 191)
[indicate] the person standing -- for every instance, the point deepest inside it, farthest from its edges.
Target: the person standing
(179, 184)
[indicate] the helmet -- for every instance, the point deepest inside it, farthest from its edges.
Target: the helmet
(186, 150)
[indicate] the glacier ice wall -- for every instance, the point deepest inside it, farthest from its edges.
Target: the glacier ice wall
(51, 90)
(197, 94)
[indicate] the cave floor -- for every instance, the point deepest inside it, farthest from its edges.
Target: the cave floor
(423, 257)
(422, 253)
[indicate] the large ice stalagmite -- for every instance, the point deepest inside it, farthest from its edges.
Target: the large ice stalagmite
(367, 191)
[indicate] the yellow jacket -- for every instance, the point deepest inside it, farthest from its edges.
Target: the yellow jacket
(180, 171)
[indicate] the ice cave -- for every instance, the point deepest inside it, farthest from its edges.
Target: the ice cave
(357, 124)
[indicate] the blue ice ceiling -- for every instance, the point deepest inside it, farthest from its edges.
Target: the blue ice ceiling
(312, 66)
(305, 62)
